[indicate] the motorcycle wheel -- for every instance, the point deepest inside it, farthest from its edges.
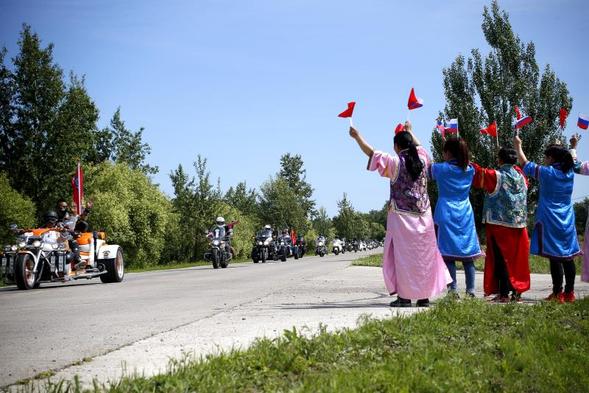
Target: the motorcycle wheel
(215, 258)
(336, 251)
(255, 256)
(283, 256)
(23, 272)
(224, 264)
(115, 268)
(321, 254)
(264, 255)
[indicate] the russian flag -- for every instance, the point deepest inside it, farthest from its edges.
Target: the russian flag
(583, 121)
(521, 120)
(452, 125)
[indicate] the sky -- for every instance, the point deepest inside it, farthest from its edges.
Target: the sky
(243, 82)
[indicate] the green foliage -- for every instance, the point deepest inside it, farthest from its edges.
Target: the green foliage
(291, 171)
(243, 199)
(483, 89)
(323, 224)
(124, 145)
(374, 260)
(350, 224)
(197, 203)
(280, 206)
(581, 215)
(14, 209)
(47, 125)
(464, 346)
(131, 209)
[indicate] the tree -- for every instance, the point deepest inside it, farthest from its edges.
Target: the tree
(46, 124)
(292, 172)
(345, 222)
(243, 199)
(581, 215)
(197, 203)
(131, 209)
(322, 223)
(126, 146)
(280, 206)
(14, 209)
(480, 90)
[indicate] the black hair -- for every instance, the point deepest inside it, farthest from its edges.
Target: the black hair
(560, 155)
(413, 163)
(508, 155)
(459, 150)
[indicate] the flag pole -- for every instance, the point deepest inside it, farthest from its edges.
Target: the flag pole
(351, 123)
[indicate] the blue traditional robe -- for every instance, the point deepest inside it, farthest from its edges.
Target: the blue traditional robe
(555, 235)
(457, 236)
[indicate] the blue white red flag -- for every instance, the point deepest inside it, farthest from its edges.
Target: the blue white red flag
(78, 188)
(520, 119)
(583, 121)
(452, 126)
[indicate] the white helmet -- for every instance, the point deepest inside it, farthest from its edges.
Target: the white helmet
(267, 226)
(220, 220)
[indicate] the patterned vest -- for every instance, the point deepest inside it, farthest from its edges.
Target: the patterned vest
(507, 204)
(408, 196)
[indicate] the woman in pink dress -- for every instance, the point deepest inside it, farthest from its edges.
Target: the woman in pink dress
(412, 265)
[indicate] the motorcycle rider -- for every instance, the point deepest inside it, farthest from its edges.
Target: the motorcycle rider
(81, 225)
(227, 232)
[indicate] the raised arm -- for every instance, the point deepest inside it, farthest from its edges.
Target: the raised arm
(364, 146)
(409, 129)
(517, 145)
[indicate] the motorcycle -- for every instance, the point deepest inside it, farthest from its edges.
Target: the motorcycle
(321, 248)
(337, 246)
(302, 246)
(355, 245)
(43, 255)
(219, 252)
(349, 246)
(263, 246)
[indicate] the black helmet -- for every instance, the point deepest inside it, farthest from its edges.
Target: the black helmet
(51, 216)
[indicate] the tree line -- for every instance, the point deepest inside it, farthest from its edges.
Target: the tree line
(48, 122)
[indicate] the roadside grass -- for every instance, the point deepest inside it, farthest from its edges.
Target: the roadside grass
(537, 264)
(466, 346)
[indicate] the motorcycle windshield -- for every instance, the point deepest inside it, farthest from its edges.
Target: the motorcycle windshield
(218, 232)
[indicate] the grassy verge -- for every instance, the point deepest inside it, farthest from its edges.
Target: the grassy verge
(466, 346)
(182, 265)
(537, 264)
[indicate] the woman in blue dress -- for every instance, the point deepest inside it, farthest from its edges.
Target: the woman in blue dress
(555, 235)
(454, 218)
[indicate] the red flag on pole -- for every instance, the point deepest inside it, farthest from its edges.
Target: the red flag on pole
(400, 127)
(414, 102)
(490, 130)
(348, 112)
(78, 188)
(562, 117)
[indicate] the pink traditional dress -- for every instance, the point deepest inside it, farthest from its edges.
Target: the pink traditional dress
(412, 266)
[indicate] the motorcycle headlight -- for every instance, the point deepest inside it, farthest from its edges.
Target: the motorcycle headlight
(260, 243)
(267, 241)
(320, 244)
(36, 243)
(13, 248)
(216, 242)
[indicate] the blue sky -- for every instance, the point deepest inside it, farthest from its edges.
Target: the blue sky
(243, 82)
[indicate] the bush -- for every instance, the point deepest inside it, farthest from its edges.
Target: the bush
(131, 209)
(14, 209)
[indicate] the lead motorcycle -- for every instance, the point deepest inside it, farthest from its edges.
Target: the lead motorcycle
(219, 252)
(43, 255)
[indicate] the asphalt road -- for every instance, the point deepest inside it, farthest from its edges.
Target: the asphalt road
(59, 325)
(102, 331)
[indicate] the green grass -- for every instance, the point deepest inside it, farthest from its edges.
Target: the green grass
(537, 264)
(182, 265)
(467, 346)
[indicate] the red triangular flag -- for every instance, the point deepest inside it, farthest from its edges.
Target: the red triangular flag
(414, 102)
(348, 112)
(562, 117)
(400, 127)
(490, 130)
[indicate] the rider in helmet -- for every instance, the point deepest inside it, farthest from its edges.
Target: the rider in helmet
(50, 219)
(228, 231)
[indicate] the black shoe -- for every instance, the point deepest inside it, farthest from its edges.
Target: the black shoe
(400, 302)
(422, 303)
